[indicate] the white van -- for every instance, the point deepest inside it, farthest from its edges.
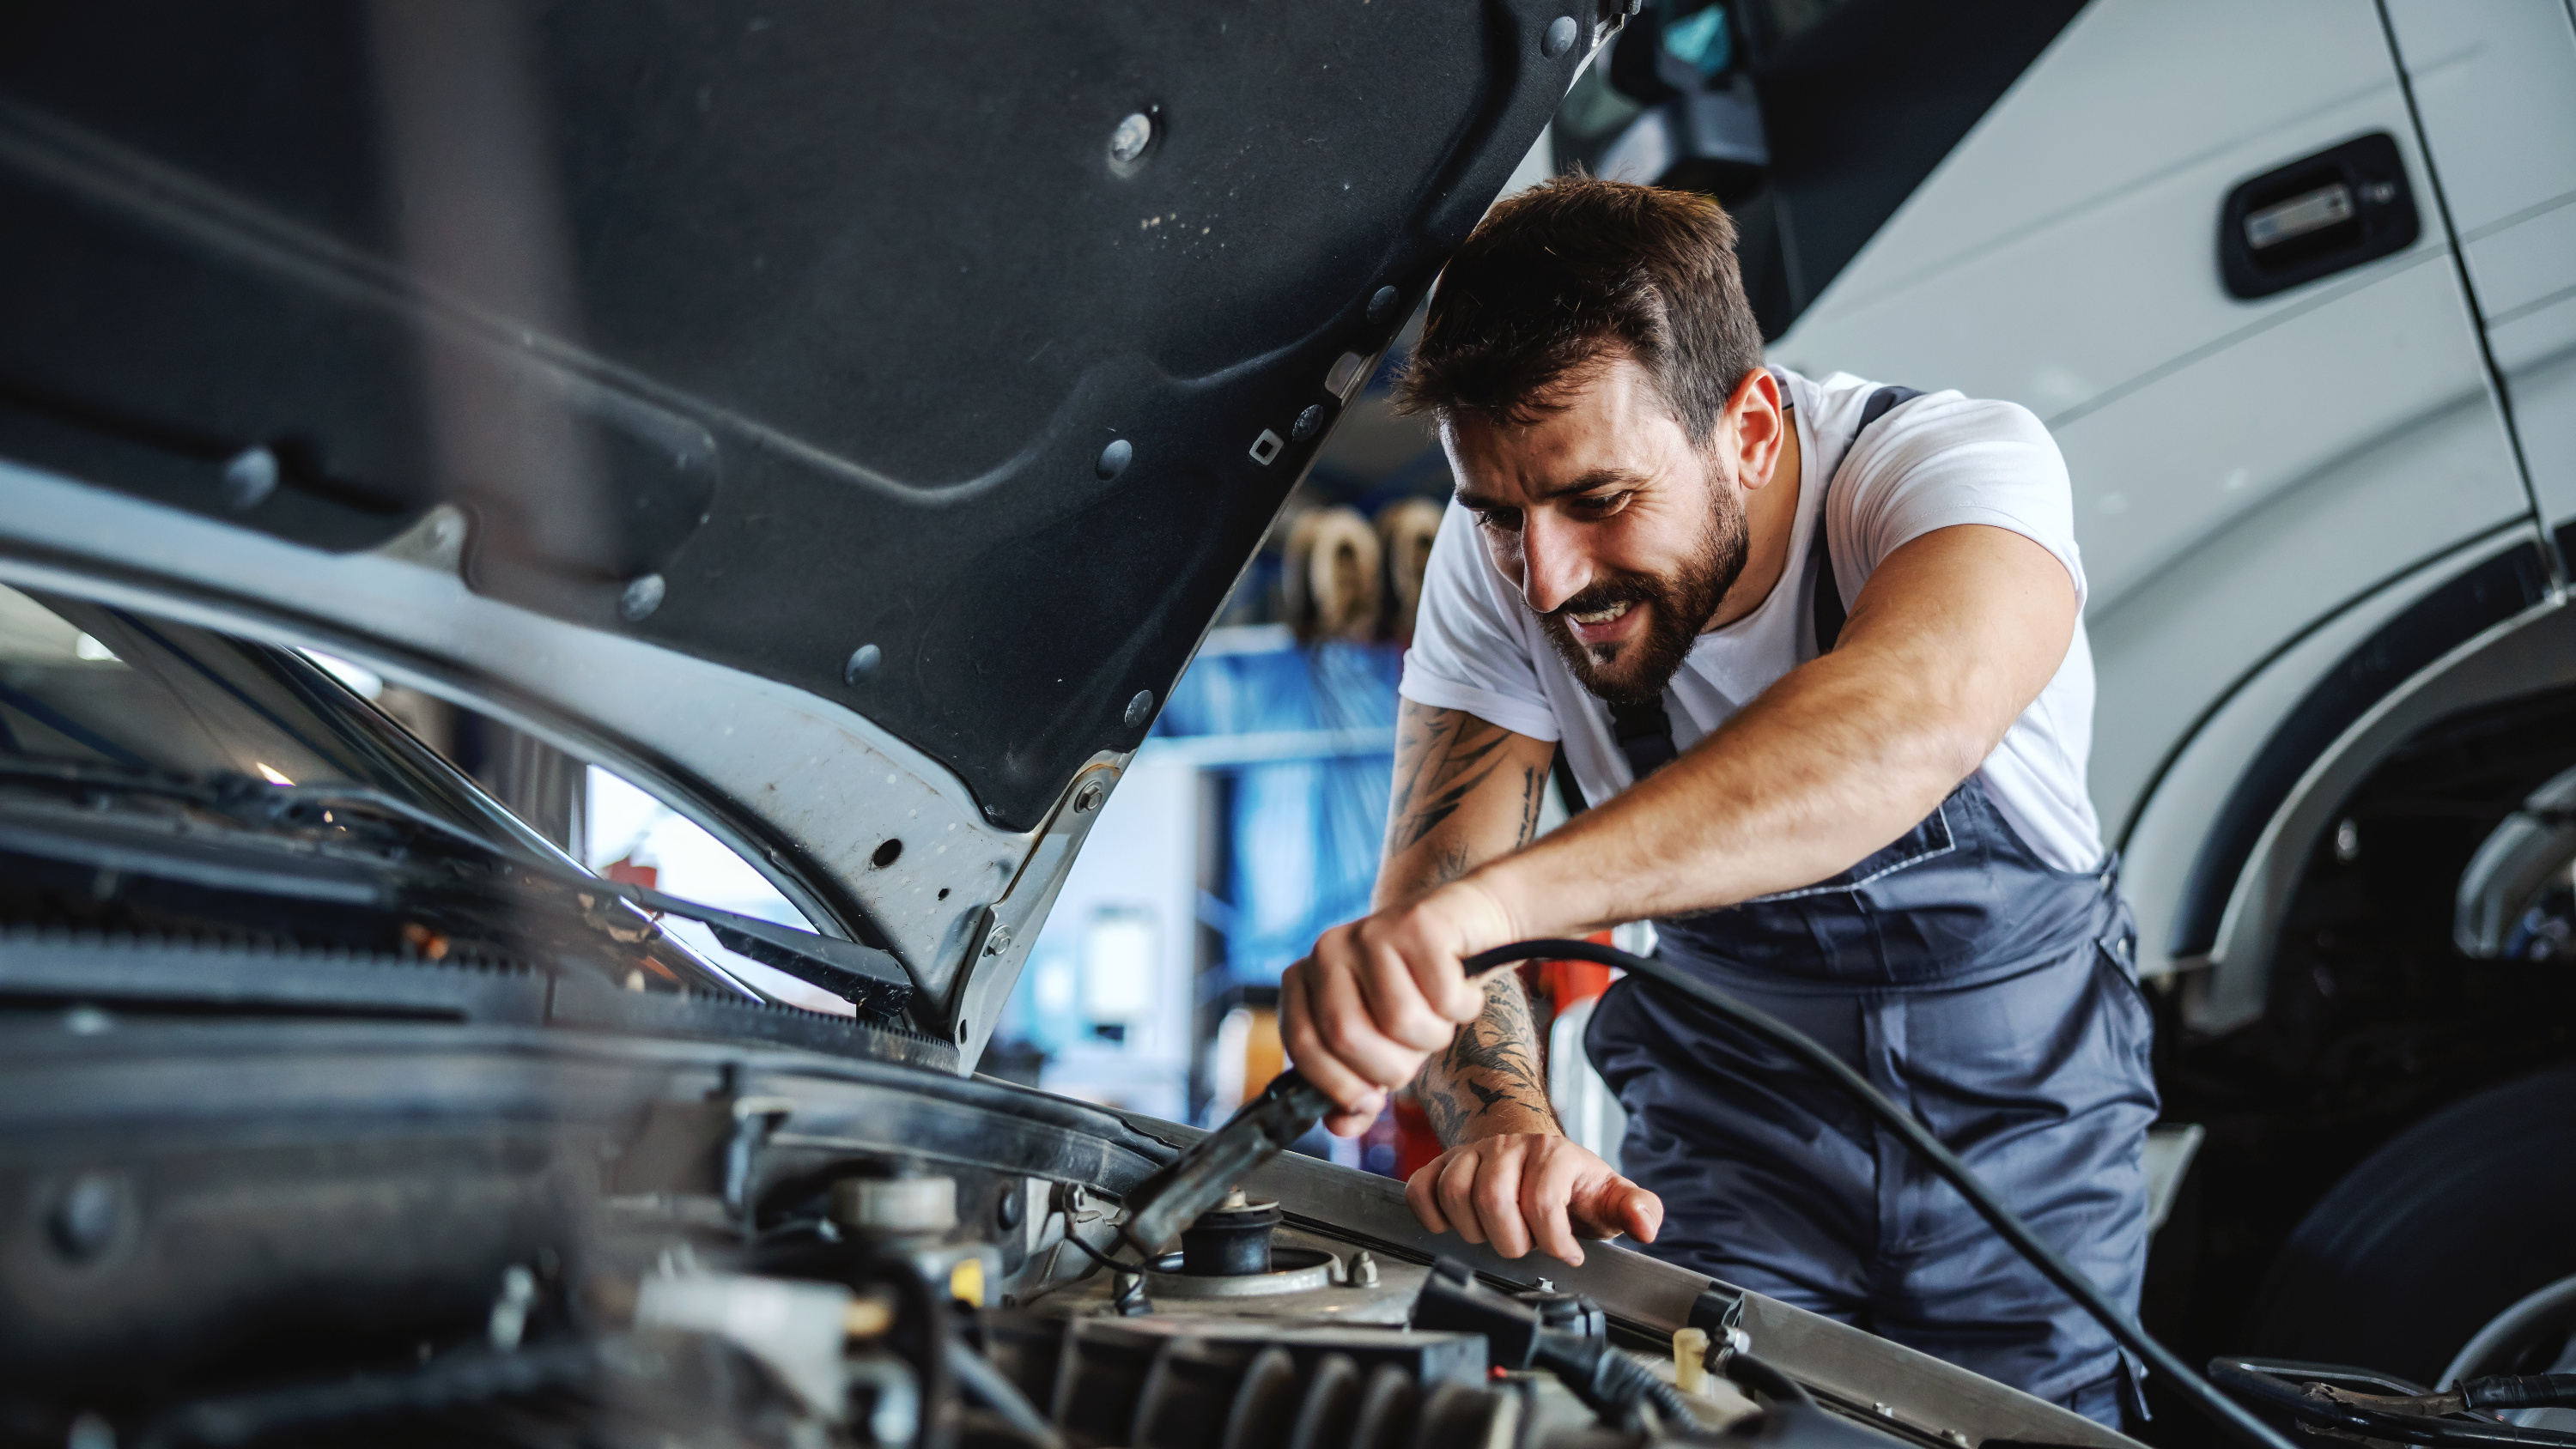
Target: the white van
(2294, 285)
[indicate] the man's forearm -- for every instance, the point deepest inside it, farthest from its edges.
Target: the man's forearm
(1465, 791)
(1796, 787)
(1492, 1078)
(1955, 636)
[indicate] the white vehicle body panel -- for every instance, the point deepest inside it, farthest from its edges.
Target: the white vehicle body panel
(2258, 484)
(2495, 85)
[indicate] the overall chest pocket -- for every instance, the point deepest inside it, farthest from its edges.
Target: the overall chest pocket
(1915, 911)
(1931, 838)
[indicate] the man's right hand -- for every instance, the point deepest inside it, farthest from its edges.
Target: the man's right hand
(1382, 993)
(1518, 1190)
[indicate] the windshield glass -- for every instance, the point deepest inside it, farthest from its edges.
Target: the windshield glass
(85, 688)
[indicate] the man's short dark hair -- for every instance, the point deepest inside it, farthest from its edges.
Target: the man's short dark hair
(1558, 277)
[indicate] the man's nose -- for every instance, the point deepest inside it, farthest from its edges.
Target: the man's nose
(1553, 568)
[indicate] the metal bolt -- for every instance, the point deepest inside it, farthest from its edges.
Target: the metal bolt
(1559, 38)
(1958, 1437)
(1088, 798)
(1140, 709)
(998, 942)
(509, 1319)
(249, 477)
(863, 664)
(1309, 423)
(85, 1221)
(1133, 135)
(641, 598)
(1364, 1269)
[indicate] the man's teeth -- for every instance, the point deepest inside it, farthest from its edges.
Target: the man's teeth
(1601, 616)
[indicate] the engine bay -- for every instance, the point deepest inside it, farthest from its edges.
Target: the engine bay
(248, 1231)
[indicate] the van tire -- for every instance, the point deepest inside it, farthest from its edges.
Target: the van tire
(2444, 1226)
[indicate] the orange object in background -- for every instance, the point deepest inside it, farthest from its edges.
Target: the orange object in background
(1415, 1143)
(627, 872)
(1561, 985)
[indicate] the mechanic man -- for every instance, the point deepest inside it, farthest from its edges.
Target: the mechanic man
(1867, 818)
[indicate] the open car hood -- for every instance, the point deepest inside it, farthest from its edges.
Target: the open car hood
(846, 419)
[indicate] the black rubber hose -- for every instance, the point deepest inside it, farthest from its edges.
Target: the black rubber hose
(2525, 1391)
(2222, 1410)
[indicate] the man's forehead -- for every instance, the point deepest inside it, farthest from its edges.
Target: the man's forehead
(1517, 490)
(1608, 431)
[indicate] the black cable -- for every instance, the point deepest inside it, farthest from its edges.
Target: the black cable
(2528, 1391)
(2352, 1415)
(1753, 1374)
(2226, 1412)
(995, 1389)
(1097, 1256)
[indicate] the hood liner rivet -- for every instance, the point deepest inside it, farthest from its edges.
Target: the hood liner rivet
(641, 598)
(1559, 38)
(1114, 459)
(249, 477)
(1134, 134)
(1140, 709)
(863, 663)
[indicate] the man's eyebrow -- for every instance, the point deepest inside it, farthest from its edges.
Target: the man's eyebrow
(1581, 483)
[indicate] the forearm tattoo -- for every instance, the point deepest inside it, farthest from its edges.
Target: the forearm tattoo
(1494, 1061)
(1438, 768)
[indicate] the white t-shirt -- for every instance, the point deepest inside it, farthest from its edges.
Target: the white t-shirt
(1932, 462)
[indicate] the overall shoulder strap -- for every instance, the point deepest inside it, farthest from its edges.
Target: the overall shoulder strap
(1645, 731)
(1645, 735)
(1830, 612)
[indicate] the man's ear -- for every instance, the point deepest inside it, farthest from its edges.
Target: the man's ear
(1755, 428)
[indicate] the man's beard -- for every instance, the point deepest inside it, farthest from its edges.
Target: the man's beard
(1636, 670)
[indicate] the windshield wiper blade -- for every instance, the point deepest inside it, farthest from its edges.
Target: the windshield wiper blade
(875, 981)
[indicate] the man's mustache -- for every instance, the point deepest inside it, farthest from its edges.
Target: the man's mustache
(1605, 595)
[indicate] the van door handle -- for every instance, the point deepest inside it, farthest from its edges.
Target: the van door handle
(2317, 216)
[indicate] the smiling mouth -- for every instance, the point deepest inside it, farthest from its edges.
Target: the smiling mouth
(1600, 616)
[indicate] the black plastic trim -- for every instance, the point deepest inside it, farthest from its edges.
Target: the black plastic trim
(1860, 102)
(2485, 595)
(2380, 218)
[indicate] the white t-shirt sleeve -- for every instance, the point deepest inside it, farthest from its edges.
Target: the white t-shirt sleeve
(1943, 460)
(1472, 638)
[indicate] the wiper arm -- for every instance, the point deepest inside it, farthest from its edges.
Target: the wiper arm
(874, 981)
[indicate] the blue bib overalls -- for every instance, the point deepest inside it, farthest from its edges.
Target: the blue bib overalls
(1989, 993)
